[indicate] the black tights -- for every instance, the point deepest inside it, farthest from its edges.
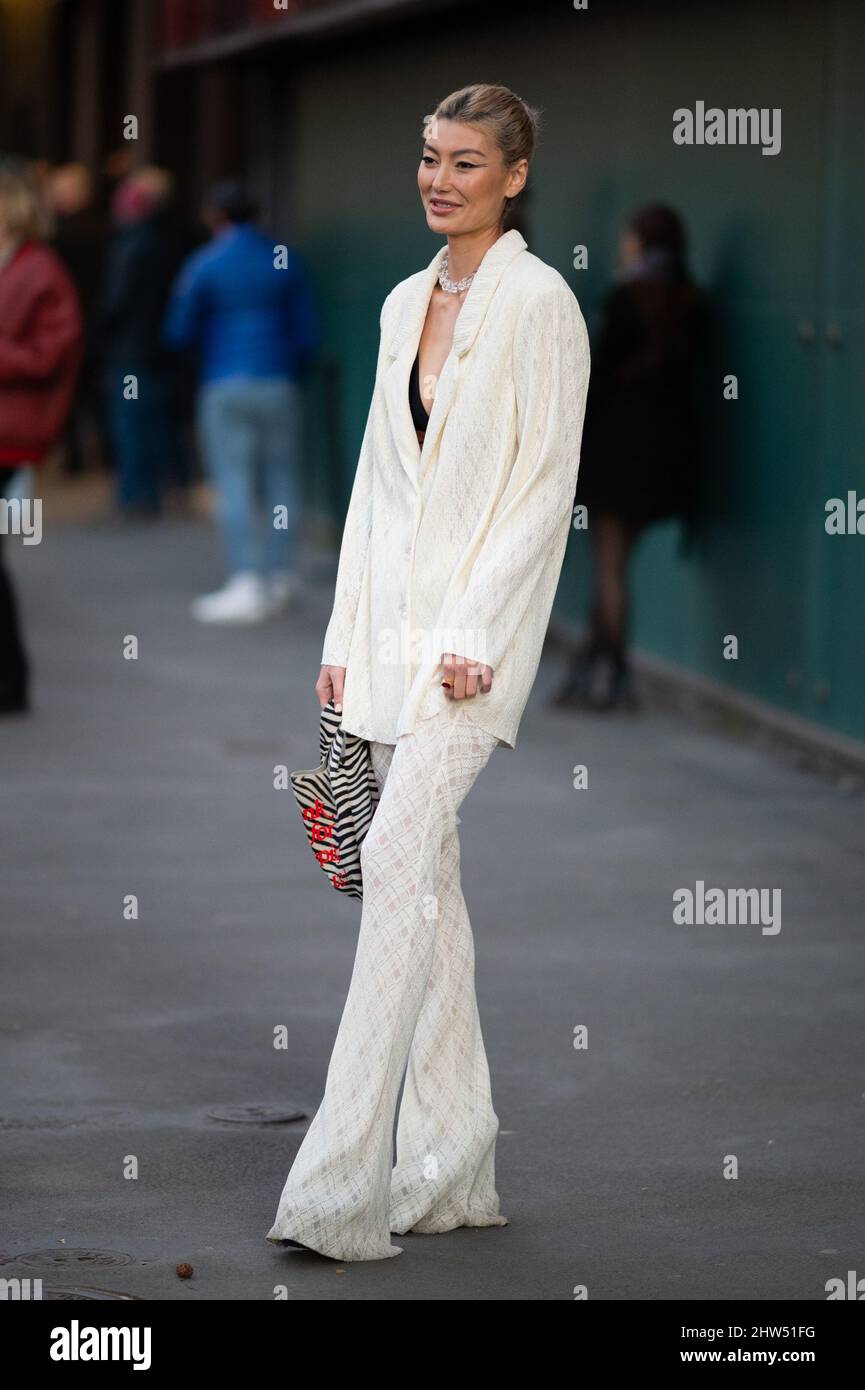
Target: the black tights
(613, 539)
(14, 668)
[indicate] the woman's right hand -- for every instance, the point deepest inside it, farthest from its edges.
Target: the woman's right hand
(329, 686)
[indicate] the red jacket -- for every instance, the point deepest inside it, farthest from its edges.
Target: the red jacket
(40, 352)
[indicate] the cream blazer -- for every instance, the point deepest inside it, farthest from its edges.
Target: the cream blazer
(458, 546)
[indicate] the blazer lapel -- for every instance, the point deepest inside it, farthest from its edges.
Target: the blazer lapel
(406, 339)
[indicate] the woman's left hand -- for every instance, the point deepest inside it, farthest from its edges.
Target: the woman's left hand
(462, 676)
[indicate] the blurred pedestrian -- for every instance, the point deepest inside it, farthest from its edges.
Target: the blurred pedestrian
(247, 307)
(80, 236)
(143, 258)
(640, 453)
(41, 334)
(116, 167)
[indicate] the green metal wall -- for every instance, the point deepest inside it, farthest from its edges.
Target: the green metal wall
(777, 240)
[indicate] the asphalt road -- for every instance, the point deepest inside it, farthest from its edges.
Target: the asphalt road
(705, 1043)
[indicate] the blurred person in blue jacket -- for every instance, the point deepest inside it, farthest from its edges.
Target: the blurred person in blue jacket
(245, 305)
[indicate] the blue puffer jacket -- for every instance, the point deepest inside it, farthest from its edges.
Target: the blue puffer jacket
(248, 310)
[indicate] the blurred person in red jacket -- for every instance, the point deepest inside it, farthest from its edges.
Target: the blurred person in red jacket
(41, 335)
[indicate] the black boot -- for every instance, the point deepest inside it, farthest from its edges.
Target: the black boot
(574, 691)
(611, 685)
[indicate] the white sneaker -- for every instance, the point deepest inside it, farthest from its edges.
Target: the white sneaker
(284, 587)
(244, 599)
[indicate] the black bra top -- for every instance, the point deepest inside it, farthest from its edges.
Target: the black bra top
(419, 412)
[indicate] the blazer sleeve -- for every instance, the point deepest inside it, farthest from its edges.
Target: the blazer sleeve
(355, 534)
(551, 365)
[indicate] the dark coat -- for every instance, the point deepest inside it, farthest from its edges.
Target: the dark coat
(641, 441)
(143, 259)
(80, 240)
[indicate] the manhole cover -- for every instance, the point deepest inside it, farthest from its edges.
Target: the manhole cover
(256, 1114)
(80, 1291)
(61, 1257)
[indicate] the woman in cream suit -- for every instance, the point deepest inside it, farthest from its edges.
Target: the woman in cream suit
(451, 554)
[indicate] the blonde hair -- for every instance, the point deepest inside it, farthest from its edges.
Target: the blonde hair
(69, 188)
(509, 120)
(23, 213)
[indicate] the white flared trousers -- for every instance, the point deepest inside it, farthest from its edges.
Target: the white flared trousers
(411, 1013)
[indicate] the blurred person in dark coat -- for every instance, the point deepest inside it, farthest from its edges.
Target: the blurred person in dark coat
(640, 454)
(139, 377)
(245, 305)
(41, 335)
(117, 165)
(80, 237)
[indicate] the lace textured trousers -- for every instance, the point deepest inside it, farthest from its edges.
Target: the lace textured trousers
(411, 1013)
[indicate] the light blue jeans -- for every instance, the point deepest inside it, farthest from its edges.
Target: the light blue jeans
(249, 432)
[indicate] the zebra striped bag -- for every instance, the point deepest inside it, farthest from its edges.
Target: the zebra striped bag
(337, 801)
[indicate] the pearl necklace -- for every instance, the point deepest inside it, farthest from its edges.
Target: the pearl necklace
(453, 286)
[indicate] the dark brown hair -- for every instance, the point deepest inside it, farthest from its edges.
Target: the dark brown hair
(658, 225)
